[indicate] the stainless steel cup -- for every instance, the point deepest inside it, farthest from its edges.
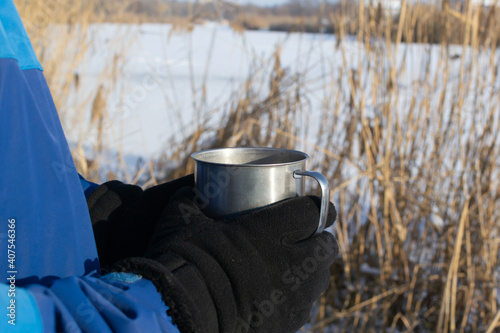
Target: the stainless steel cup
(236, 180)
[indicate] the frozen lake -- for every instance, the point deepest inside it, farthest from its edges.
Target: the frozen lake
(160, 88)
(166, 82)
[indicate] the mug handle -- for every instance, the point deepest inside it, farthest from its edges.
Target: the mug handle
(325, 194)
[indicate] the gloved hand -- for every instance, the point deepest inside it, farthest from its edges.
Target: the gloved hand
(259, 272)
(124, 216)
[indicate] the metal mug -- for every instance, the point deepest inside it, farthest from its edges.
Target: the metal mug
(229, 181)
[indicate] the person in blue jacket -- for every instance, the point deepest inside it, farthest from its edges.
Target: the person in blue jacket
(82, 257)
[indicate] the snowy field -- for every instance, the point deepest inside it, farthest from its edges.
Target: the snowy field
(164, 73)
(160, 82)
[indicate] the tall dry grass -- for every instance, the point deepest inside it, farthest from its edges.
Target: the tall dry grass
(421, 209)
(413, 167)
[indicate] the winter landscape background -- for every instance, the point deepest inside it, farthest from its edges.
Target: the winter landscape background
(399, 110)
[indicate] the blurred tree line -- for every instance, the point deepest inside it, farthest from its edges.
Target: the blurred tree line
(439, 21)
(227, 10)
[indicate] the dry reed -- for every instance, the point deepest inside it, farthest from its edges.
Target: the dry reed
(414, 169)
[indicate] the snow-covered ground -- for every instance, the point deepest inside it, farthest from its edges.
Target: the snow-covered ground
(159, 90)
(159, 84)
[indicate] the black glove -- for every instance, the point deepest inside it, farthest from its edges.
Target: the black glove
(259, 272)
(124, 216)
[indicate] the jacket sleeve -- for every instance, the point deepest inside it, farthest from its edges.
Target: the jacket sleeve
(117, 302)
(40, 190)
(88, 187)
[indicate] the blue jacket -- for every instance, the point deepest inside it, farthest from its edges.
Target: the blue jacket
(50, 278)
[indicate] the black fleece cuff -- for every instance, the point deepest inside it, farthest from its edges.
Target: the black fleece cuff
(182, 288)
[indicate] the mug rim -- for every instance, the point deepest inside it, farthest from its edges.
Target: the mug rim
(196, 156)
